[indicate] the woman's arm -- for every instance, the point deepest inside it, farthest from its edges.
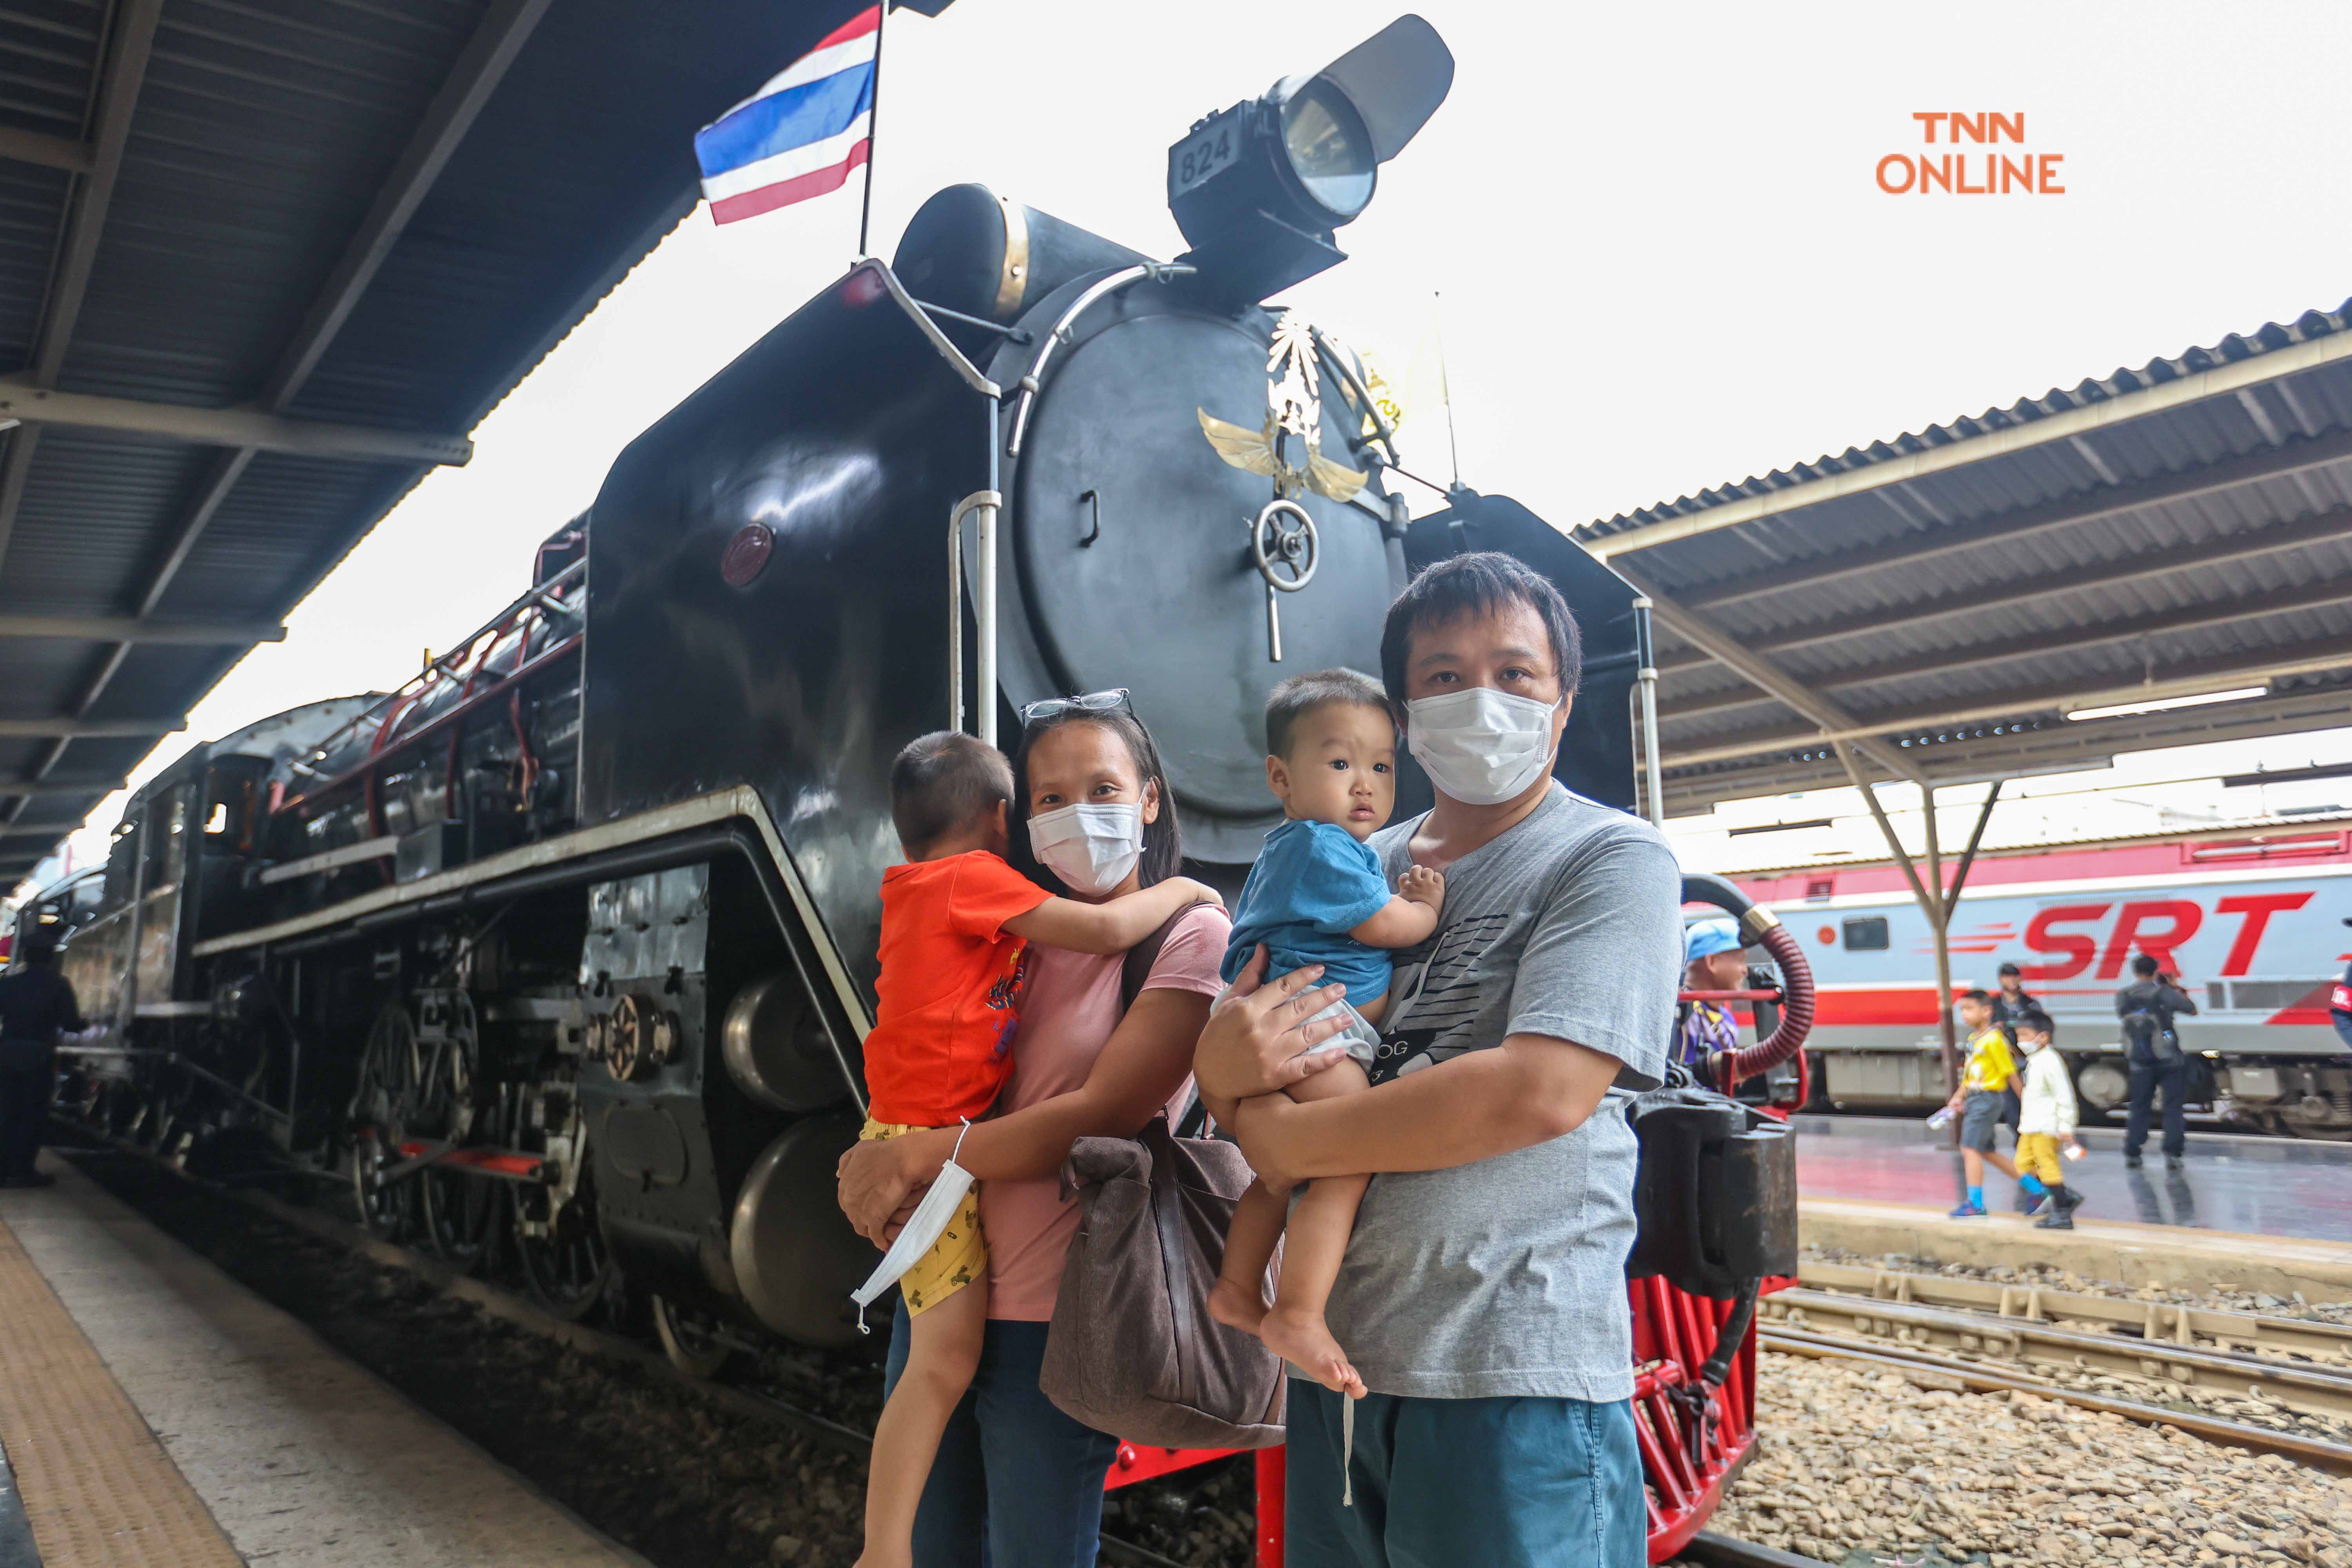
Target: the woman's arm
(1140, 1069)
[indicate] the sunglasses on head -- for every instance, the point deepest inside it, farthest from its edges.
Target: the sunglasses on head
(1112, 701)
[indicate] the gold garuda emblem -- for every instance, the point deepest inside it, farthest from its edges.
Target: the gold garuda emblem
(1289, 448)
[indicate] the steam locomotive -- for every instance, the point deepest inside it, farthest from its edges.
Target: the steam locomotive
(571, 939)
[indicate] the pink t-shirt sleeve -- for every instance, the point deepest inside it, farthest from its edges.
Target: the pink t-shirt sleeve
(1194, 952)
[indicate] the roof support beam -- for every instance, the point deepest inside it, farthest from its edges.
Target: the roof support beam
(247, 427)
(126, 71)
(2248, 544)
(1910, 550)
(505, 27)
(87, 730)
(1757, 671)
(50, 151)
(2314, 595)
(2187, 680)
(2220, 381)
(28, 787)
(131, 630)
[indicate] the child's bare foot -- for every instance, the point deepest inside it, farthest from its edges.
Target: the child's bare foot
(1304, 1340)
(1237, 1306)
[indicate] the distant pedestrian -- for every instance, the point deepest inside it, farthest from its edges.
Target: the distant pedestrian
(37, 1004)
(2046, 1120)
(1713, 960)
(1990, 1070)
(2339, 1003)
(2147, 1008)
(2010, 1004)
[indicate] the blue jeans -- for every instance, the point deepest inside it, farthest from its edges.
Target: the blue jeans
(1017, 1484)
(1443, 1483)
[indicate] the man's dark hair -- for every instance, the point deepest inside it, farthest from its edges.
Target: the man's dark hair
(1479, 583)
(2035, 1019)
(37, 947)
(1977, 993)
(1300, 695)
(1163, 840)
(2145, 966)
(939, 782)
(2008, 969)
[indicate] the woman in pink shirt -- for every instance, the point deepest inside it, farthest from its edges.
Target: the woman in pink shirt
(1013, 1470)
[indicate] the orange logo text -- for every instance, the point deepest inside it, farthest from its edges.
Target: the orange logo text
(1954, 170)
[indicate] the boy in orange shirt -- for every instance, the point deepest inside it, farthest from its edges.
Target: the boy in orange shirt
(957, 920)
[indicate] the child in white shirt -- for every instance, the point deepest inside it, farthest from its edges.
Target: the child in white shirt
(2047, 1114)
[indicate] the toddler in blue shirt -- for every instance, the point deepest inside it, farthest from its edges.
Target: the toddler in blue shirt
(1316, 895)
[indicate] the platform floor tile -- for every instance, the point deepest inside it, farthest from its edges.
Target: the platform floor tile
(304, 1459)
(96, 1487)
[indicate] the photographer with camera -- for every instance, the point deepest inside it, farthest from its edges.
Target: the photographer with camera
(2147, 1007)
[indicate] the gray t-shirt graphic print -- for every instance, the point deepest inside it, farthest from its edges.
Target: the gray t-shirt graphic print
(1507, 1277)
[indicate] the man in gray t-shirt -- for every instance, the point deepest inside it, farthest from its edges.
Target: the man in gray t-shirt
(1483, 1296)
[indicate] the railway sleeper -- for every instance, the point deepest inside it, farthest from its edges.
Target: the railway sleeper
(2306, 1390)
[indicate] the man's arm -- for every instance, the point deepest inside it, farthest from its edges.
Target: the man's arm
(2180, 1001)
(1530, 1090)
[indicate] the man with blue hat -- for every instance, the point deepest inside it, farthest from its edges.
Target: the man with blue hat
(1712, 961)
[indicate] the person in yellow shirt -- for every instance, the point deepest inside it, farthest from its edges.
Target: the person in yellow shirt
(1990, 1071)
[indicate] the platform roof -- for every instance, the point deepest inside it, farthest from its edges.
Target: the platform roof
(1931, 607)
(263, 265)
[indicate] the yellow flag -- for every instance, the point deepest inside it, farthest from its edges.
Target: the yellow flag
(1406, 386)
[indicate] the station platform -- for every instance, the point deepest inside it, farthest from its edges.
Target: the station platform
(154, 1414)
(2251, 1186)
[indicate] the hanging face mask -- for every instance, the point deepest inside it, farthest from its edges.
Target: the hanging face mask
(925, 1226)
(1091, 848)
(1480, 746)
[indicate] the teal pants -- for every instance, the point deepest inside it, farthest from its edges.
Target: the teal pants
(1446, 1483)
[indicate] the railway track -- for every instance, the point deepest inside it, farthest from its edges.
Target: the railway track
(2271, 1385)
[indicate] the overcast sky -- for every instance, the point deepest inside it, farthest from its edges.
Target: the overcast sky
(1664, 261)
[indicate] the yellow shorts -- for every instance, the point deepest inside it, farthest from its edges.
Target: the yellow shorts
(958, 1258)
(2037, 1154)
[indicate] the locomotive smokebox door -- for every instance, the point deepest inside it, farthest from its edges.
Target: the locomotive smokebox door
(1130, 559)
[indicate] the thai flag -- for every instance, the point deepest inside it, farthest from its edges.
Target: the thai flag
(800, 135)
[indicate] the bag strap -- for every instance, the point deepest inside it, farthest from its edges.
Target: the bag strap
(1168, 1217)
(1136, 968)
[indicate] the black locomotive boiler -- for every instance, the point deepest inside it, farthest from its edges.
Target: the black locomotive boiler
(571, 940)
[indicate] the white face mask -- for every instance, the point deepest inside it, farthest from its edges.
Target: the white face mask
(1480, 746)
(2029, 1046)
(1091, 848)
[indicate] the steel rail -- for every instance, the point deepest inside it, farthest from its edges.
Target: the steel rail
(2155, 1321)
(1962, 1376)
(1722, 1552)
(2304, 1388)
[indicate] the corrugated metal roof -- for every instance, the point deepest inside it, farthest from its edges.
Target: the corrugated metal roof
(258, 141)
(2207, 536)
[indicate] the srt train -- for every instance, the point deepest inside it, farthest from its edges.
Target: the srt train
(572, 940)
(2253, 927)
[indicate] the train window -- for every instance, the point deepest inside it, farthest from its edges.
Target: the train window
(1866, 933)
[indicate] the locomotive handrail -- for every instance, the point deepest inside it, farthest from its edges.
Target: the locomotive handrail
(1101, 288)
(444, 665)
(434, 726)
(970, 373)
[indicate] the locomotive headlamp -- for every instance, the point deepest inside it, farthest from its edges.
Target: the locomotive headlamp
(1259, 189)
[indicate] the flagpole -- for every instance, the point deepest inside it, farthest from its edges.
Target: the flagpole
(873, 124)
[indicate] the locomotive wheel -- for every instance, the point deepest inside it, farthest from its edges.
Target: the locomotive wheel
(387, 1210)
(457, 1209)
(690, 1346)
(389, 1071)
(564, 1262)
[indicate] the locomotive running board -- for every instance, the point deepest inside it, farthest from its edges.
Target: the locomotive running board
(742, 801)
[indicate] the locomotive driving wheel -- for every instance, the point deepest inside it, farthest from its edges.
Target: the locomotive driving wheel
(563, 1252)
(389, 1071)
(458, 1208)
